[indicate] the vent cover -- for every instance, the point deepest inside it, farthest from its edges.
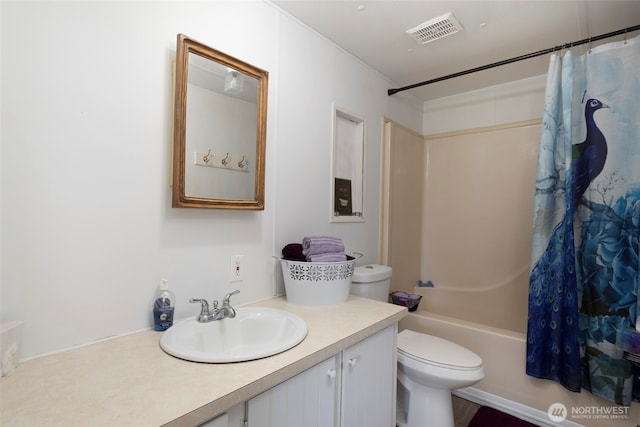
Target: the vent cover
(435, 29)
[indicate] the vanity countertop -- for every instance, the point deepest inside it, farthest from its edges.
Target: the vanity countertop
(130, 381)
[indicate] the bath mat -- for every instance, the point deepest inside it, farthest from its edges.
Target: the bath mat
(489, 417)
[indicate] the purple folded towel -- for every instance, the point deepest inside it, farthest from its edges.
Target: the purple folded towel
(315, 245)
(327, 257)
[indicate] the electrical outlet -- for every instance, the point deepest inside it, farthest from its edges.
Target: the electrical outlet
(236, 268)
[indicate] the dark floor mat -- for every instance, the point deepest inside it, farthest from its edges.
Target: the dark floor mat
(489, 417)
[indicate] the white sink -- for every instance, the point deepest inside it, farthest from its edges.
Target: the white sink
(254, 333)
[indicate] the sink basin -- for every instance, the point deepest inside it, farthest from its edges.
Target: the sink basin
(254, 333)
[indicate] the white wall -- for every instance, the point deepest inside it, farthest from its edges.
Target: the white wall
(511, 102)
(87, 224)
(303, 194)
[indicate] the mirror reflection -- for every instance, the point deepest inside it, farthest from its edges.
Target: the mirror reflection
(219, 134)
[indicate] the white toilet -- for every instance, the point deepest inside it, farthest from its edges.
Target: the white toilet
(429, 368)
(372, 281)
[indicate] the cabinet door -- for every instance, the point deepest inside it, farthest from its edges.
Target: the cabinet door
(369, 381)
(233, 417)
(308, 399)
(219, 421)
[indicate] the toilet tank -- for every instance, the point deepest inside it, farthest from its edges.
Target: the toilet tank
(372, 281)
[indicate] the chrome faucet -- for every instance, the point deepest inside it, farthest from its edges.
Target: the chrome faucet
(224, 312)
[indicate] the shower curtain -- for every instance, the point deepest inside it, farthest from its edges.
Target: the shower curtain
(584, 283)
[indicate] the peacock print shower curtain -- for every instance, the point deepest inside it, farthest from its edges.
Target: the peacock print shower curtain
(584, 284)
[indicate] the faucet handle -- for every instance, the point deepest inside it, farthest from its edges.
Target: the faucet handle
(227, 298)
(204, 307)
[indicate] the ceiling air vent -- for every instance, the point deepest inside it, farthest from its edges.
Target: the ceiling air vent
(435, 29)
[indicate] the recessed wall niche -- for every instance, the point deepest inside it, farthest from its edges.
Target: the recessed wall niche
(347, 171)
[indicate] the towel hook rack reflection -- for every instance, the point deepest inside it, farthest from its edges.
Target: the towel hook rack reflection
(225, 160)
(207, 157)
(242, 163)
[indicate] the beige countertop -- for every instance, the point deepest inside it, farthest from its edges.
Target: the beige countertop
(130, 381)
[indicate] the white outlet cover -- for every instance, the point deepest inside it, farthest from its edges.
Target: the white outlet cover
(236, 268)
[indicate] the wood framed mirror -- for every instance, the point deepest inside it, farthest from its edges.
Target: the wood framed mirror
(219, 134)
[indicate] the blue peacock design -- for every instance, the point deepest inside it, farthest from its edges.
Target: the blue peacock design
(553, 347)
(588, 157)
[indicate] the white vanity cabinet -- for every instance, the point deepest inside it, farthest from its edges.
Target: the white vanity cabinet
(355, 388)
(308, 399)
(368, 395)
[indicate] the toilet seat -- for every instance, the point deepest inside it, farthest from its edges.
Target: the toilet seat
(436, 351)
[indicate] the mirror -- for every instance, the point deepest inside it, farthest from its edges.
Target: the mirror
(219, 135)
(347, 167)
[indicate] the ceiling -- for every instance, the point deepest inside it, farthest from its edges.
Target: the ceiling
(375, 32)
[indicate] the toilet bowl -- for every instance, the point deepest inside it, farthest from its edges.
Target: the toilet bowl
(429, 368)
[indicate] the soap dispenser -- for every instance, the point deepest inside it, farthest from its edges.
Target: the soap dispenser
(163, 307)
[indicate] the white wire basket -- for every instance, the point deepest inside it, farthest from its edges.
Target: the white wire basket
(317, 283)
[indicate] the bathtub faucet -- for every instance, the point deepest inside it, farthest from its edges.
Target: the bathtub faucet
(224, 312)
(427, 284)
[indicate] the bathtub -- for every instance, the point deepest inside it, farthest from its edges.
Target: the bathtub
(506, 386)
(502, 305)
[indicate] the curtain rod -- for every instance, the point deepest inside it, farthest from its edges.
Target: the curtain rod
(516, 59)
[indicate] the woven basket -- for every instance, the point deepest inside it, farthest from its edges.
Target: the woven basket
(317, 283)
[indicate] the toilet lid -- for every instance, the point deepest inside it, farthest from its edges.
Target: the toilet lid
(371, 273)
(436, 351)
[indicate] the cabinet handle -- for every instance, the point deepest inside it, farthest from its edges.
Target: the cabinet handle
(353, 361)
(331, 373)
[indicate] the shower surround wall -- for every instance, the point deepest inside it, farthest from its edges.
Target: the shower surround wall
(477, 216)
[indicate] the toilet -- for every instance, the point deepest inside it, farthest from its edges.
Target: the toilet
(372, 281)
(429, 367)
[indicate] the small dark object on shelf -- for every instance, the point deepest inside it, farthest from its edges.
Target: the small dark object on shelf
(406, 299)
